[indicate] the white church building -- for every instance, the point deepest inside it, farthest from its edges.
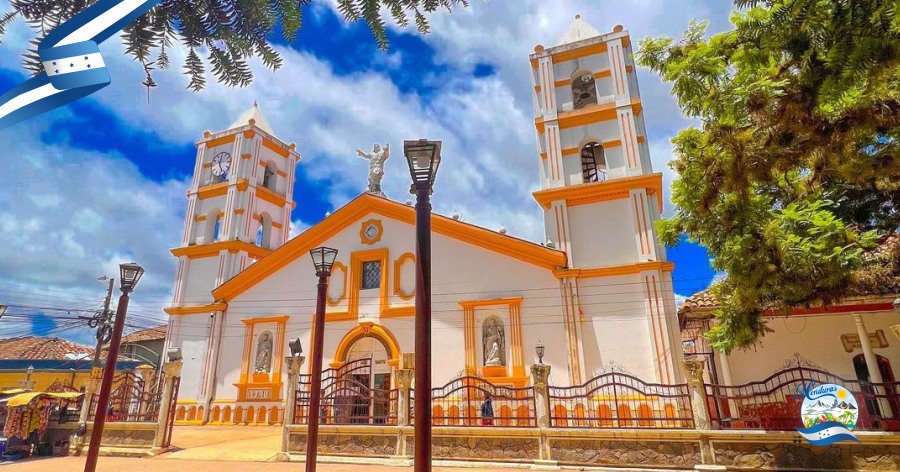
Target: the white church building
(596, 291)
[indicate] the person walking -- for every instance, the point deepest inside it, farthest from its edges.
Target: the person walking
(487, 411)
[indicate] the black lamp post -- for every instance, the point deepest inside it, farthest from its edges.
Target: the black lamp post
(323, 258)
(424, 158)
(130, 275)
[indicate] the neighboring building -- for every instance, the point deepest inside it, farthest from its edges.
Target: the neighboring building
(51, 360)
(851, 338)
(597, 290)
(145, 345)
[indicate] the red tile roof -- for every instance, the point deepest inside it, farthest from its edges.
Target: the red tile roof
(150, 334)
(33, 347)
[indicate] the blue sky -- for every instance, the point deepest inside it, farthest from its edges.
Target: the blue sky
(102, 180)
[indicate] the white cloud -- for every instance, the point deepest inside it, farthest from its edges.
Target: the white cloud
(75, 214)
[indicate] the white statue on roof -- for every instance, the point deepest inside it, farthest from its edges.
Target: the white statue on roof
(376, 160)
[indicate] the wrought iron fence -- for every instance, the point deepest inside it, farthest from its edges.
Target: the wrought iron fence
(775, 403)
(462, 402)
(130, 400)
(618, 400)
(348, 397)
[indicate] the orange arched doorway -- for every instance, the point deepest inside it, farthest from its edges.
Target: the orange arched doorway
(370, 341)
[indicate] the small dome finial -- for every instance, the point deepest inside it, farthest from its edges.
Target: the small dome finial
(577, 17)
(255, 104)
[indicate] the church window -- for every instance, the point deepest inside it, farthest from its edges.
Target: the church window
(269, 177)
(593, 163)
(217, 229)
(584, 91)
(264, 232)
(371, 275)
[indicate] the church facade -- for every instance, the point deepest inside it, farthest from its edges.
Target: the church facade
(596, 291)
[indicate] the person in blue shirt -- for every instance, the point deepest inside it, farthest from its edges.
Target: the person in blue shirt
(487, 411)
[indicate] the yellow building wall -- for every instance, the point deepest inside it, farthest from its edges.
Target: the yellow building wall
(43, 380)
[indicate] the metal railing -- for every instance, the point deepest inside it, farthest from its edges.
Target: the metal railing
(347, 397)
(775, 403)
(130, 401)
(461, 402)
(617, 400)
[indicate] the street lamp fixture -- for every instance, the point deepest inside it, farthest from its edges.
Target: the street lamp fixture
(130, 276)
(323, 259)
(424, 158)
(539, 350)
(296, 347)
(896, 305)
(28, 372)
(174, 354)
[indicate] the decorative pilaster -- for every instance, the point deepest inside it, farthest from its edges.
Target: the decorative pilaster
(294, 364)
(171, 371)
(79, 439)
(405, 374)
(872, 364)
(146, 373)
(540, 373)
(693, 370)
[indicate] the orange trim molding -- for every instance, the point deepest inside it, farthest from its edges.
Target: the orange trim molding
(365, 204)
(270, 383)
(270, 196)
(195, 309)
(200, 218)
(338, 266)
(363, 330)
(213, 249)
(588, 115)
(514, 337)
(362, 231)
(220, 141)
(246, 156)
(274, 147)
(221, 188)
(584, 51)
(613, 189)
(605, 144)
(398, 264)
(399, 312)
(356, 262)
(626, 269)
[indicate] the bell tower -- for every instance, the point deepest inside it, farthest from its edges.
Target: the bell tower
(600, 199)
(239, 207)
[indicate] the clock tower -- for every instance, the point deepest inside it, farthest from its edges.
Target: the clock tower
(239, 208)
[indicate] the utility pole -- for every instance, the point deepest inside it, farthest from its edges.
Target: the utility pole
(102, 320)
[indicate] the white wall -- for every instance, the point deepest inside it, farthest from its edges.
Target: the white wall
(816, 338)
(602, 234)
(460, 271)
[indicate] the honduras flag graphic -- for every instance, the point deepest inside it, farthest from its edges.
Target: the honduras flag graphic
(829, 413)
(72, 62)
(827, 433)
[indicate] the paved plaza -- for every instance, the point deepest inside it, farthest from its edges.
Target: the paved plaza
(207, 449)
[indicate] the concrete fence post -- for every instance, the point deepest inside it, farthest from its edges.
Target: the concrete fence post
(171, 371)
(77, 442)
(405, 375)
(693, 370)
(540, 373)
(290, 402)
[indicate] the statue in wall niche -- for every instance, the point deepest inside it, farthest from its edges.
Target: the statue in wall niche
(494, 343)
(376, 160)
(263, 354)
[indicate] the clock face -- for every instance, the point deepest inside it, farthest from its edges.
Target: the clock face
(221, 163)
(371, 232)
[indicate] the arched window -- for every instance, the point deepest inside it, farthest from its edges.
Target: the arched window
(269, 176)
(593, 163)
(213, 226)
(264, 232)
(584, 91)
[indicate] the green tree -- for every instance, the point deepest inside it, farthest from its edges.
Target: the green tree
(793, 170)
(227, 32)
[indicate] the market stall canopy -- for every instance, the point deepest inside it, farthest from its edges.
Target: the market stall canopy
(26, 398)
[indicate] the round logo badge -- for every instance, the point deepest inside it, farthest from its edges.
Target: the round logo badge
(829, 403)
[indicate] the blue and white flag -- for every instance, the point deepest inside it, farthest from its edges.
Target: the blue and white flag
(72, 62)
(827, 433)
